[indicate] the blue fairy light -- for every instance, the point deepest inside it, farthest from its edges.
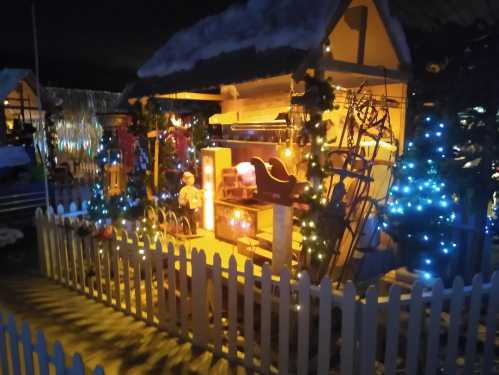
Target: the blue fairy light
(441, 125)
(427, 275)
(428, 119)
(427, 261)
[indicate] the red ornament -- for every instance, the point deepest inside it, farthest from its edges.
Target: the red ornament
(126, 142)
(105, 233)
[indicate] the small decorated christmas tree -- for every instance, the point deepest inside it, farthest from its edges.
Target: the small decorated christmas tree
(136, 191)
(98, 209)
(419, 214)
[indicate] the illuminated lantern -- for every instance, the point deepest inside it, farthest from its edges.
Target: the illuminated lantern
(114, 174)
(214, 160)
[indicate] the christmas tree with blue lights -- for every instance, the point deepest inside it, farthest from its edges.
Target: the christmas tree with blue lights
(420, 211)
(102, 210)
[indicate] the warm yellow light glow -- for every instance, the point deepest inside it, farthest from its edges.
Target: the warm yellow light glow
(382, 144)
(209, 211)
(288, 152)
(209, 199)
(237, 214)
(6, 102)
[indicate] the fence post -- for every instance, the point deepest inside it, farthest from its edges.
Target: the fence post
(58, 359)
(77, 367)
(184, 295)
(172, 298)
(392, 330)
(232, 303)
(284, 298)
(473, 320)
(27, 349)
(249, 305)
(348, 310)
(414, 330)
(434, 328)
(14, 345)
(199, 298)
(324, 336)
(266, 307)
(125, 256)
(43, 357)
(456, 305)
(115, 249)
(3, 347)
(368, 332)
(216, 277)
(160, 277)
(303, 312)
(148, 253)
(136, 253)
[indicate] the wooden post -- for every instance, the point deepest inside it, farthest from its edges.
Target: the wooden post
(281, 241)
(156, 163)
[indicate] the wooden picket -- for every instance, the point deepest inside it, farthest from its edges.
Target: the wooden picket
(232, 302)
(216, 276)
(158, 259)
(12, 362)
(473, 320)
(284, 306)
(214, 306)
(266, 309)
(392, 330)
(249, 308)
(368, 332)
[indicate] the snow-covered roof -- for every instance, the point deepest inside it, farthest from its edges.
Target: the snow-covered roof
(258, 24)
(10, 78)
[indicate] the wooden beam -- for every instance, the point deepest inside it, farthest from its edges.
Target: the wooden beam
(347, 67)
(191, 96)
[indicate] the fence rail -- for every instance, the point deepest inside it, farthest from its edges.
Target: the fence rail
(273, 324)
(19, 355)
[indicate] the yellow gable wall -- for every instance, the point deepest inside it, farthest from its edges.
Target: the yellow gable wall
(344, 39)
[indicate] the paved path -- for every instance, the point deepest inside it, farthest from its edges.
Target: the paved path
(100, 334)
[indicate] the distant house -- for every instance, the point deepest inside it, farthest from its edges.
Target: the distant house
(72, 111)
(18, 100)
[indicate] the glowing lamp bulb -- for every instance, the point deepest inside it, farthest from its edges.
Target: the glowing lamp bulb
(288, 152)
(208, 169)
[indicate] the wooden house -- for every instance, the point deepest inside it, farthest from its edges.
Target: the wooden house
(18, 100)
(249, 62)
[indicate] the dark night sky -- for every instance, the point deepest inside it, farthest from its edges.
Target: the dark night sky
(94, 45)
(100, 45)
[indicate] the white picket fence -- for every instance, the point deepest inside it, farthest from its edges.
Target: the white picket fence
(19, 355)
(275, 324)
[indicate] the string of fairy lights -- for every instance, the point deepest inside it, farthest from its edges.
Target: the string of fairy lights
(419, 207)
